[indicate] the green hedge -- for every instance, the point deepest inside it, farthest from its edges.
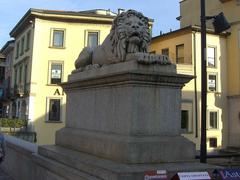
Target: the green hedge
(13, 123)
(27, 136)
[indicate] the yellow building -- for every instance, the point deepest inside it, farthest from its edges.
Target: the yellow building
(183, 47)
(47, 43)
(190, 13)
(223, 70)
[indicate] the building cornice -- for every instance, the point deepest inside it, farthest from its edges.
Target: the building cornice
(222, 1)
(7, 47)
(65, 16)
(181, 1)
(189, 29)
(31, 14)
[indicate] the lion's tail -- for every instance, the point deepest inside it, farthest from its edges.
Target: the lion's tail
(84, 58)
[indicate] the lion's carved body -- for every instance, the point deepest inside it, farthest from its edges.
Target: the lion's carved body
(129, 34)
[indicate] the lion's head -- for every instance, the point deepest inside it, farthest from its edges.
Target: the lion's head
(129, 34)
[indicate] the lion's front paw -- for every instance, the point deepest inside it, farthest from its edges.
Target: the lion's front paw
(147, 58)
(92, 66)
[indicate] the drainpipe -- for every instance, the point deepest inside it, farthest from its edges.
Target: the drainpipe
(195, 84)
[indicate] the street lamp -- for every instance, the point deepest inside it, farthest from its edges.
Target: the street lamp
(220, 24)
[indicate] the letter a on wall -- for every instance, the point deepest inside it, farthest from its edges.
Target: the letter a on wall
(57, 92)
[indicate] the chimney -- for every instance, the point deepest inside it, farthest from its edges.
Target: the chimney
(120, 10)
(108, 12)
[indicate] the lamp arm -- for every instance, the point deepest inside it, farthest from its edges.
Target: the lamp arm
(210, 17)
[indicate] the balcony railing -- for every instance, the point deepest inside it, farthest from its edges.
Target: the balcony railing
(20, 90)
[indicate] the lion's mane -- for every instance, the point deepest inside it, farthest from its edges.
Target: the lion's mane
(129, 35)
(118, 36)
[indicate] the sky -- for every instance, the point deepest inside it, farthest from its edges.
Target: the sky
(164, 12)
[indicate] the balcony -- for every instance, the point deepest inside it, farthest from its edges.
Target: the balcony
(20, 90)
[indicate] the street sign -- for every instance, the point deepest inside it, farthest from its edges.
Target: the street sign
(228, 174)
(191, 176)
(155, 175)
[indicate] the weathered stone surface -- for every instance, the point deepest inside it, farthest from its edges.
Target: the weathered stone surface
(119, 68)
(147, 58)
(126, 112)
(50, 169)
(99, 168)
(18, 161)
(59, 163)
(128, 149)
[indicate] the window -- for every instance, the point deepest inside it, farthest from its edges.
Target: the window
(213, 120)
(211, 56)
(2, 73)
(186, 117)
(152, 52)
(28, 41)
(22, 45)
(20, 75)
(165, 51)
(25, 77)
(15, 76)
(213, 142)
(58, 38)
(56, 73)
(54, 110)
(18, 109)
(92, 39)
(17, 50)
(14, 109)
(180, 54)
(212, 82)
(1, 93)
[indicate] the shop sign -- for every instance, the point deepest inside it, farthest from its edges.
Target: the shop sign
(229, 174)
(155, 175)
(192, 176)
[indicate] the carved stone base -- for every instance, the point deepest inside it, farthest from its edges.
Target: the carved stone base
(128, 149)
(126, 112)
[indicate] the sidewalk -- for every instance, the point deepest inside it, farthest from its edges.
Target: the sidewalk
(4, 176)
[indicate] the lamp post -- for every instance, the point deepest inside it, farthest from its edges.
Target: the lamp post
(220, 24)
(203, 148)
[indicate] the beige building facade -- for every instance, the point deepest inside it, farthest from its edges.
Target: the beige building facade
(47, 43)
(190, 13)
(183, 48)
(223, 70)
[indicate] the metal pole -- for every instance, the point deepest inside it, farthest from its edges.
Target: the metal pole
(203, 148)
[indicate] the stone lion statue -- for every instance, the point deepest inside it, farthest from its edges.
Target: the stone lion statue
(129, 38)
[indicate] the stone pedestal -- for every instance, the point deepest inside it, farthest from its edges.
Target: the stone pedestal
(122, 119)
(126, 112)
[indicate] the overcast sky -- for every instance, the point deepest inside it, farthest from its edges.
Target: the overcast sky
(164, 12)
